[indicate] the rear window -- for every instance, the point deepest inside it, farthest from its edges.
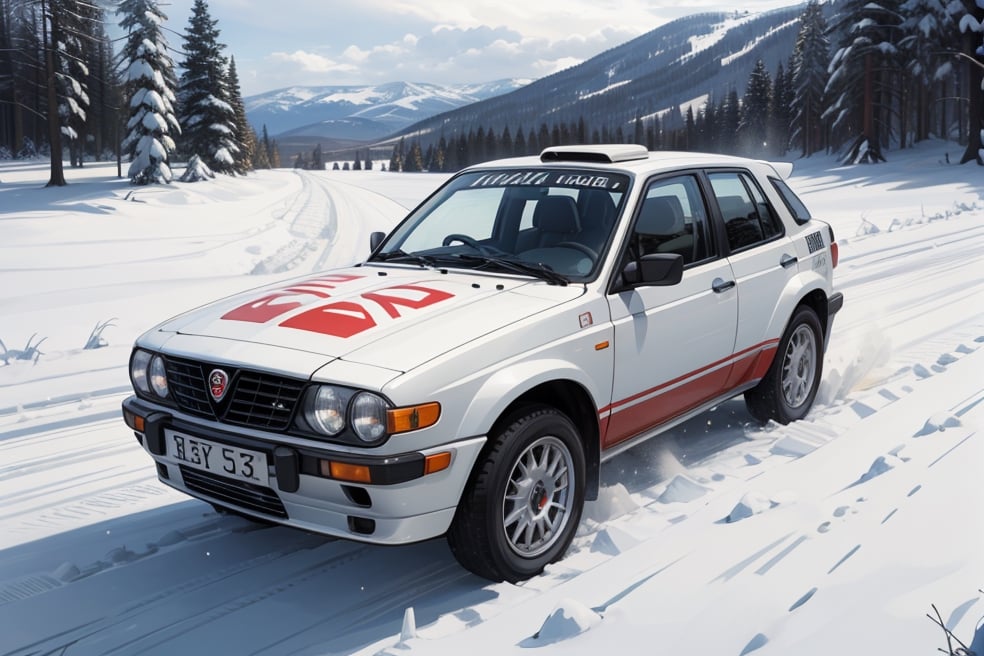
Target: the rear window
(792, 201)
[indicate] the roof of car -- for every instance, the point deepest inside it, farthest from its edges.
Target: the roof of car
(631, 158)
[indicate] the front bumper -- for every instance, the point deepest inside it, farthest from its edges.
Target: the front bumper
(394, 499)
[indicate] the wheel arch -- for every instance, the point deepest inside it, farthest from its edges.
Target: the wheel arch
(817, 301)
(572, 399)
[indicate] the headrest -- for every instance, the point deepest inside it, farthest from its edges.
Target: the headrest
(599, 208)
(556, 214)
(661, 216)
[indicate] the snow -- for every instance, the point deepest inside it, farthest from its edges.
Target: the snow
(838, 534)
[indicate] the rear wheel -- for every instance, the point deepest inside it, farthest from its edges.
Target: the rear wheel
(524, 501)
(787, 391)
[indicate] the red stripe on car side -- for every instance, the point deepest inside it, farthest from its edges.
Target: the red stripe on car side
(624, 419)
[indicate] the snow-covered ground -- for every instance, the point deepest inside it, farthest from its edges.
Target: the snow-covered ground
(838, 534)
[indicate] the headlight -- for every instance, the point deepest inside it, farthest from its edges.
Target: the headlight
(157, 376)
(368, 416)
(326, 411)
(138, 371)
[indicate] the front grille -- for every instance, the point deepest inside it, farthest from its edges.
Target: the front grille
(263, 401)
(254, 400)
(186, 382)
(238, 493)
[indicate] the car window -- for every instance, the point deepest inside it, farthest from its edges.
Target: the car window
(560, 220)
(672, 219)
(796, 207)
(748, 217)
(479, 205)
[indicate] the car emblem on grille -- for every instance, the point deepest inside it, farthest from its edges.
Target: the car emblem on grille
(218, 383)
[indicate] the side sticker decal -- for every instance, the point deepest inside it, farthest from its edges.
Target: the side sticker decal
(814, 241)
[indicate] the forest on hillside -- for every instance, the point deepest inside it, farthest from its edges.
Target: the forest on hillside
(861, 77)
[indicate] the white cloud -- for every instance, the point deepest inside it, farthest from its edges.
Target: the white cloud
(311, 62)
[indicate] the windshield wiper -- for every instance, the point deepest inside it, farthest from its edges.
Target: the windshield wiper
(537, 270)
(402, 256)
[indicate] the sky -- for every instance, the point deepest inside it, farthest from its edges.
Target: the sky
(314, 43)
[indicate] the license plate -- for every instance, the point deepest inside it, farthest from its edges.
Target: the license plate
(220, 459)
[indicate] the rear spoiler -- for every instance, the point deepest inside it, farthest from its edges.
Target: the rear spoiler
(782, 169)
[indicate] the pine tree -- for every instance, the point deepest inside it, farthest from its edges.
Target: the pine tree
(754, 123)
(205, 112)
(971, 24)
(77, 25)
(262, 158)
(519, 145)
(245, 137)
(149, 91)
(864, 81)
(811, 59)
(396, 160)
(780, 111)
(729, 118)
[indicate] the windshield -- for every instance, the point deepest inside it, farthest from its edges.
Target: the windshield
(553, 224)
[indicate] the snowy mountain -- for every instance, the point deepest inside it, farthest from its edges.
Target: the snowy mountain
(362, 112)
(678, 65)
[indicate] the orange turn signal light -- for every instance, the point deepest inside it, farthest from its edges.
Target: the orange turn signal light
(136, 422)
(343, 471)
(437, 462)
(412, 417)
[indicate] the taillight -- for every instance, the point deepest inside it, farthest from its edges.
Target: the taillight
(834, 250)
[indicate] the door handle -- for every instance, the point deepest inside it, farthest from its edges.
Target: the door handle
(787, 261)
(720, 285)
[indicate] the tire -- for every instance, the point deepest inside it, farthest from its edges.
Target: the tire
(524, 500)
(787, 391)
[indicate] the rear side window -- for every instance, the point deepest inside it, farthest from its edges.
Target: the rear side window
(748, 217)
(792, 201)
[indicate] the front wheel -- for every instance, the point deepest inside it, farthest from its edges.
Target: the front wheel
(524, 501)
(787, 391)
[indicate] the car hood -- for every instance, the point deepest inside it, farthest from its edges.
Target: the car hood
(391, 317)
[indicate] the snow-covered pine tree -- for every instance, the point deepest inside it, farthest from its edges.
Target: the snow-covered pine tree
(245, 136)
(927, 28)
(204, 109)
(864, 83)
(149, 90)
(811, 59)
(971, 24)
(78, 21)
(754, 121)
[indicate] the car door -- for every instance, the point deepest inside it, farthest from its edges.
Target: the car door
(762, 259)
(672, 344)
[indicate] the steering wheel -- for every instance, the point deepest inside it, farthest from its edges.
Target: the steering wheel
(578, 246)
(471, 242)
(464, 239)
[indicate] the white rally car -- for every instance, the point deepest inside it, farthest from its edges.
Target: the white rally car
(530, 319)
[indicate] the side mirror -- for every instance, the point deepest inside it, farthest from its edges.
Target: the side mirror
(656, 269)
(375, 239)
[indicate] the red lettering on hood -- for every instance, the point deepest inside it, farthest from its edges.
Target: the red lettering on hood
(419, 297)
(347, 318)
(342, 319)
(290, 298)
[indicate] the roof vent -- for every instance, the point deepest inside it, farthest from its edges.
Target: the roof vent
(607, 153)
